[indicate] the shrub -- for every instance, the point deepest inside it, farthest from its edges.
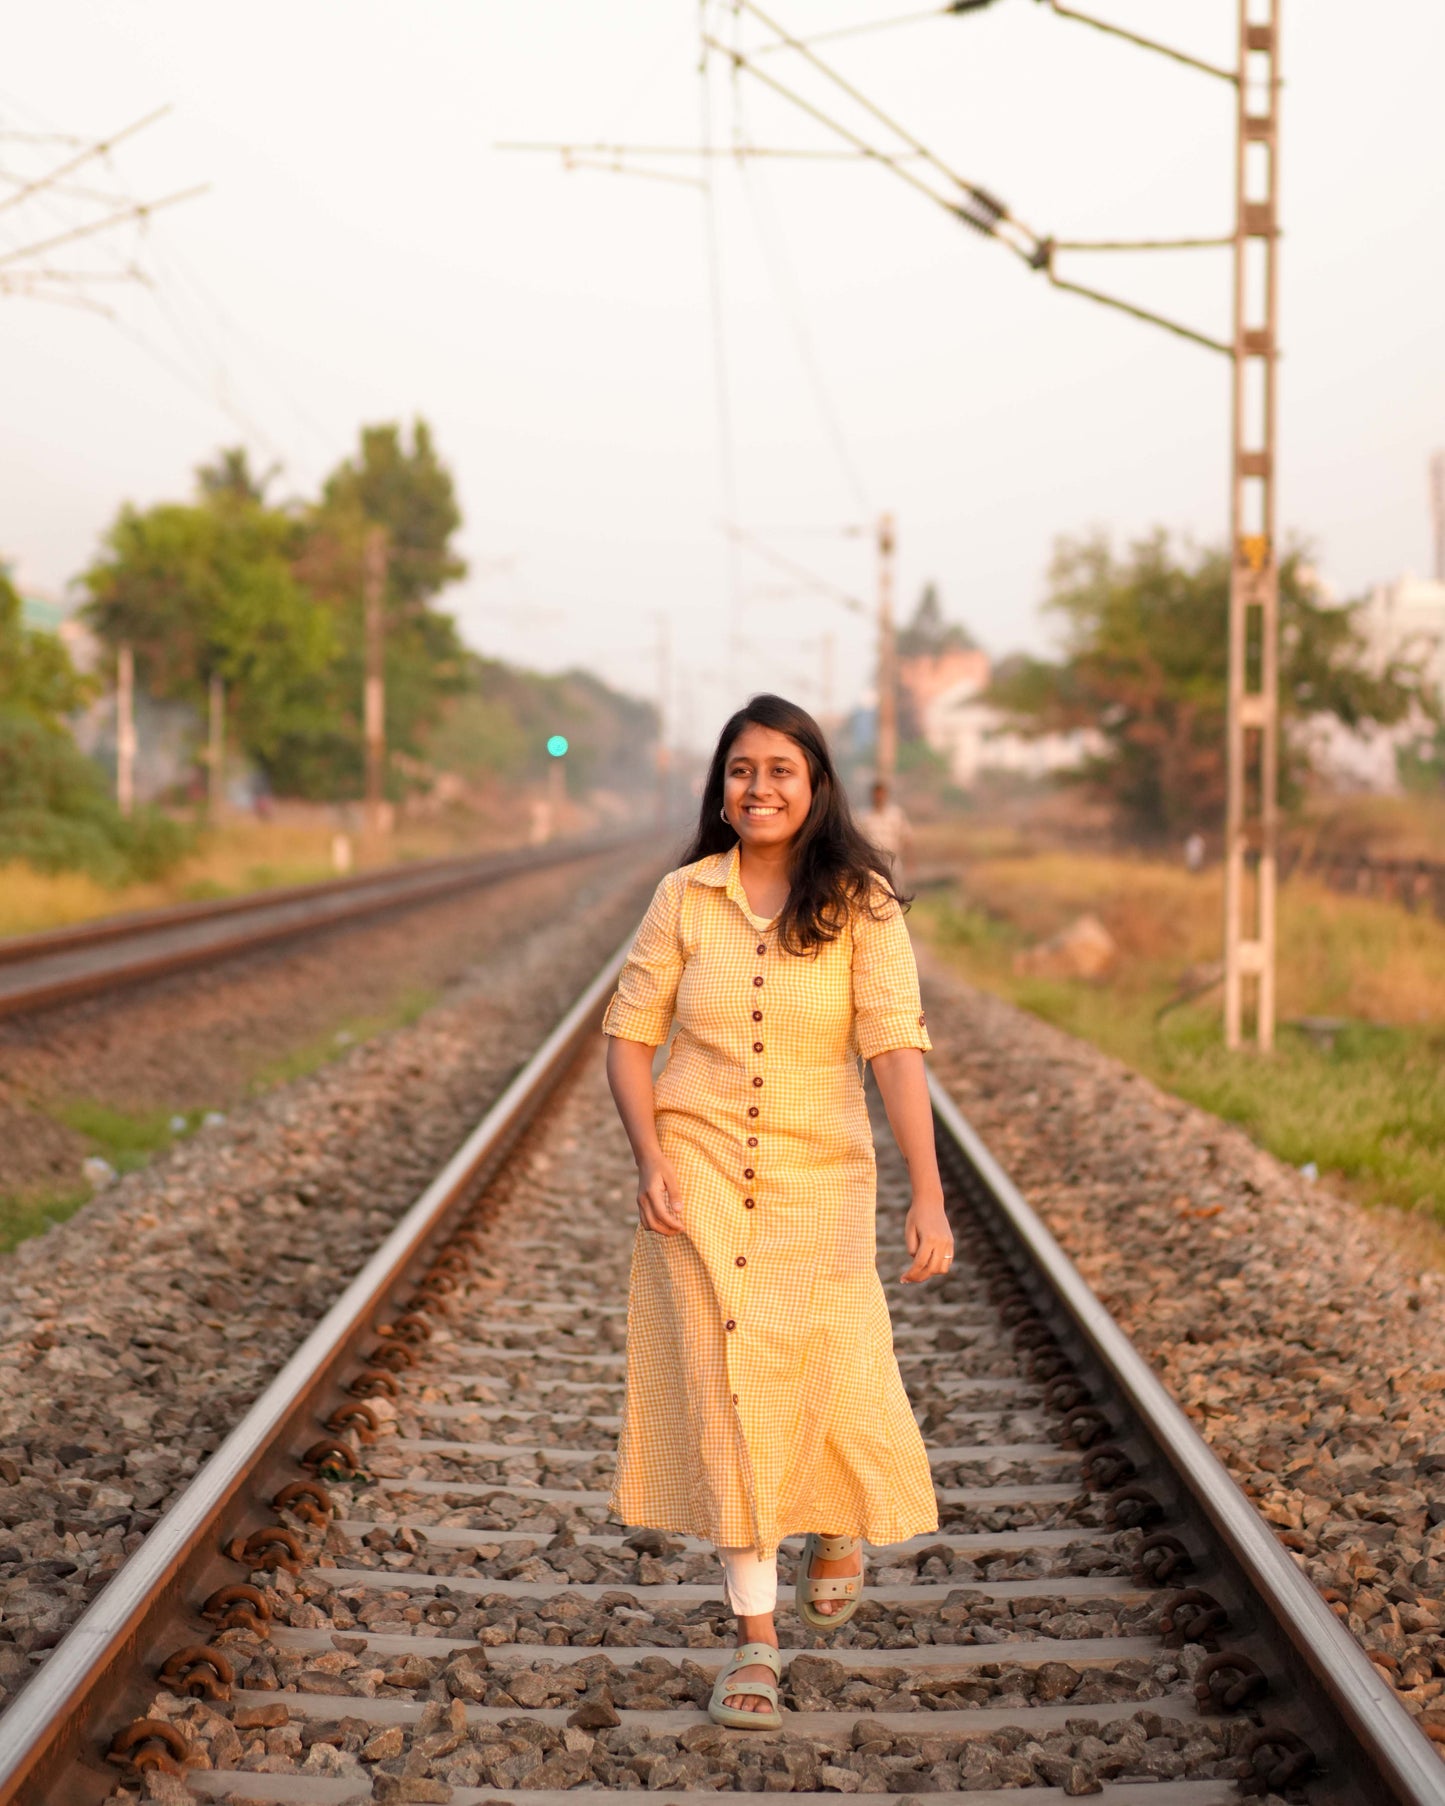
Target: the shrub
(56, 814)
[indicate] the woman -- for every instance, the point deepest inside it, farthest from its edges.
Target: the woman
(763, 1397)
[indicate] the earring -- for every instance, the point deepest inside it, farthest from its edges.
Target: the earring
(723, 812)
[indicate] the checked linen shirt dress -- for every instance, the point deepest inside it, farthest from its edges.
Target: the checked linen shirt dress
(763, 1396)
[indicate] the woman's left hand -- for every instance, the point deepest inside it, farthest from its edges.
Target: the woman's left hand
(928, 1239)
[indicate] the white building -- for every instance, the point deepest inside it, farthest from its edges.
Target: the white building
(1400, 620)
(972, 735)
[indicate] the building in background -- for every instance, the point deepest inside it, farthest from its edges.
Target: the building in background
(945, 694)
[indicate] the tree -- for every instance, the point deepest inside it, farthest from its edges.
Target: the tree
(36, 675)
(928, 634)
(409, 492)
(207, 589)
(1146, 665)
(231, 476)
(55, 810)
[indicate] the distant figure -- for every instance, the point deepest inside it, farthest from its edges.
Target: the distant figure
(888, 828)
(1194, 852)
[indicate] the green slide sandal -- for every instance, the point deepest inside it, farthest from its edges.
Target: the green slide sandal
(848, 1587)
(738, 1718)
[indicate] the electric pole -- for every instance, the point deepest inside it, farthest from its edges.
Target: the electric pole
(373, 586)
(1252, 800)
(125, 730)
(886, 752)
(1437, 512)
(216, 745)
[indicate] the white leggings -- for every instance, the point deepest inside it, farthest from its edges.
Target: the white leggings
(752, 1583)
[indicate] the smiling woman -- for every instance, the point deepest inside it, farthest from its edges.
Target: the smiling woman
(763, 1397)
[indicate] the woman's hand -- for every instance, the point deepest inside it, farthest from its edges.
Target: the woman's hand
(659, 1197)
(928, 1239)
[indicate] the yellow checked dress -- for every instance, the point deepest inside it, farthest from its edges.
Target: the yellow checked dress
(763, 1395)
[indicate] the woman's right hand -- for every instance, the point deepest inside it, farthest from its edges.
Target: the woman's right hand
(659, 1197)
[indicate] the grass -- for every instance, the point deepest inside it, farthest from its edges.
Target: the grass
(32, 1213)
(311, 1055)
(1365, 1104)
(130, 1139)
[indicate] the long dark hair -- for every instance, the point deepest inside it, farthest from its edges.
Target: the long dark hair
(835, 869)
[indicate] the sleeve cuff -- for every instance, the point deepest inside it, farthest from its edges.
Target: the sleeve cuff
(629, 1023)
(885, 1033)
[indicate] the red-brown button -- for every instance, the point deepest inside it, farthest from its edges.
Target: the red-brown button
(761, 948)
(757, 1015)
(752, 1109)
(752, 1141)
(741, 1261)
(749, 1203)
(758, 981)
(748, 1173)
(730, 1324)
(735, 1398)
(757, 1047)
(757, 1084)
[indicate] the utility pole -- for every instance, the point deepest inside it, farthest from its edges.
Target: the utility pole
(125, 730)
(373, 589)
(1437, 512)
(664, 692)
(886, 752)
(216, 745)
(1252, 801)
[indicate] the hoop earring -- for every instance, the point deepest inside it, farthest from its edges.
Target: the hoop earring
(723, 812)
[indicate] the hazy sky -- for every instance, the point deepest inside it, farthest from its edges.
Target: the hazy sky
(364, 254)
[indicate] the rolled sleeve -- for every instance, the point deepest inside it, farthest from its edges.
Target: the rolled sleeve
(642, 1005)
(888, 1011)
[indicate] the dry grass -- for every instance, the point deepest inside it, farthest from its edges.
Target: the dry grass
(1367, 1107)
(242, 854)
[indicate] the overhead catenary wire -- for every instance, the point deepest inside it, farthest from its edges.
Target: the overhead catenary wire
(786, 287)
(722, 388)
(1002, 213)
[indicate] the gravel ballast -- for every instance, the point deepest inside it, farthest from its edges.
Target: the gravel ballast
(134, 1336)
(1309, 1352)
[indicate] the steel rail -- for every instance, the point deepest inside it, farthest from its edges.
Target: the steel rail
(295, 910)
(1369, 1743)
(53, 1723)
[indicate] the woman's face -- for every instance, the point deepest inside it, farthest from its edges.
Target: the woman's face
(766, 788)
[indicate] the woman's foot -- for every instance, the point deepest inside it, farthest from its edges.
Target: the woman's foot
(754, 1630)
(819, 1569)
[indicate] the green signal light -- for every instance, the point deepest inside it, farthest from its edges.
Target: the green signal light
(557, 746)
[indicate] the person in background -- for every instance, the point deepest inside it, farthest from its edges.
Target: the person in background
(888, 828)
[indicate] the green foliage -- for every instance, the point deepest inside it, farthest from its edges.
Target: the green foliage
(500, 723)
(36, 675)
(411, 494)
(1145, 664)
(206, 590)
(57, 815)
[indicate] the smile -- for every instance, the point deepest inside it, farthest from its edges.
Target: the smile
(758, 809)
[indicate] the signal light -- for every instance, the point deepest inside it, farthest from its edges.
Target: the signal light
(557, 746)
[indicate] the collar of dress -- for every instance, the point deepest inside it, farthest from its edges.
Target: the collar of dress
(723, 871)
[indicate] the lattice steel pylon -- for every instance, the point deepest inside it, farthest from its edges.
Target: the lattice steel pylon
(1251, 830)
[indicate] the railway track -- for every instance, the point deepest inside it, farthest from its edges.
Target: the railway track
(396, 1581)
(40, 970)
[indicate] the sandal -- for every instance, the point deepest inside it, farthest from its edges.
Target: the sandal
(739, 1718)
(847, 1587)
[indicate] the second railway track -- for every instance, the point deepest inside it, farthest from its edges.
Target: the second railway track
(38, 971)
(396, 1579)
